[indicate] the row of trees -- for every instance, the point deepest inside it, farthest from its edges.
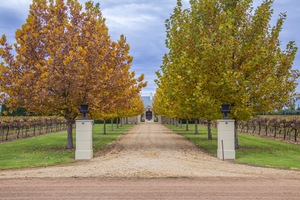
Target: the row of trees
(12, 128)
(63, 56)
(224, 51)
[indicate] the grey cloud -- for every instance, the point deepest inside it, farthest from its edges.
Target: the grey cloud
(142, 22)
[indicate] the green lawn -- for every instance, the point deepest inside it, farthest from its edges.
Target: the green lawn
(50, 149)
(253, 150)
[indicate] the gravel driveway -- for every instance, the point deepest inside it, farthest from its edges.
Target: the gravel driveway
(150, 151)
(150, 162)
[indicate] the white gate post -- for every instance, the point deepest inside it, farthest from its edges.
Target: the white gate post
(84, 139)
(159, 119)
(226, 149)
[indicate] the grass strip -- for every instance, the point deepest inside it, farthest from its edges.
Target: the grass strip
(253, 150)
(46, 150)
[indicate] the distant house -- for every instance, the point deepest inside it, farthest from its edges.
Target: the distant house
(148, 114)
(147, 101)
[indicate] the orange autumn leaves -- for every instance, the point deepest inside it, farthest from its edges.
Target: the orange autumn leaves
(63, 56)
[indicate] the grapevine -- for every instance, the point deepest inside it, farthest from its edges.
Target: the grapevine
(284, 128)
(12, 128)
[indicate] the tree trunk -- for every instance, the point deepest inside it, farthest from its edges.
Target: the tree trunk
(196, 127)
(3, 133)
(117, 122)
(6, 137)
(209, 135)
(121, 122)
(236, 139)
(187, 125)
(180, 121)
(70, 133)
(18, 133)
(112, 124)
(104, 127)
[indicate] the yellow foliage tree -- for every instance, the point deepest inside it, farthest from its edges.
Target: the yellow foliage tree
(225, 52)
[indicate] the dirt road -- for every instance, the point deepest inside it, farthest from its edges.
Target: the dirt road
(151, 162)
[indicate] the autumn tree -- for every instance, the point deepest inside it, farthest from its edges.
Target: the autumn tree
(63, 58)
(248, 68)
(179, 76)
(236, 57)
(177, 89)
(121, 88)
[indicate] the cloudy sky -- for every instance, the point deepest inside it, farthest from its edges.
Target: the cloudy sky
(142, 22)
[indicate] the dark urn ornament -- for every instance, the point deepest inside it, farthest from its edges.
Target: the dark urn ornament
(84, 109)
(225, 110)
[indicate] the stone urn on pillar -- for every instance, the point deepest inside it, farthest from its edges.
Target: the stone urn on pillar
(226, 149)
(84, 135)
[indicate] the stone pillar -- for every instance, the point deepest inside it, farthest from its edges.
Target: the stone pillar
(135, 119)
(139, 120)
(159, 119)
(132, 120)
(84, 139)
(226, 148)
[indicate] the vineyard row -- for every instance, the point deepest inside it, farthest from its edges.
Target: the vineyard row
(13, 128)
(281, 128)
(284, 128)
